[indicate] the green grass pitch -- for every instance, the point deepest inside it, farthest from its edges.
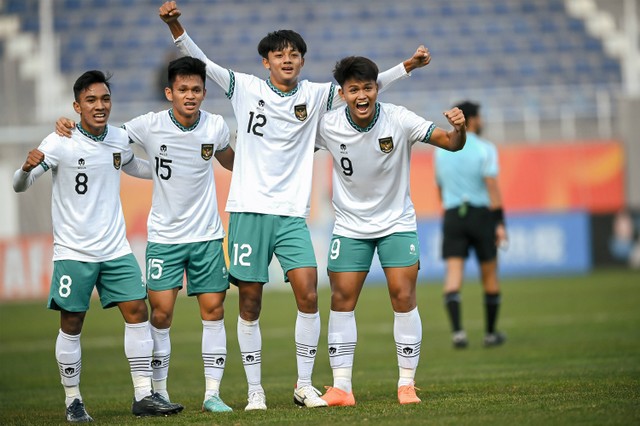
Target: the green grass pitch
(572, 358)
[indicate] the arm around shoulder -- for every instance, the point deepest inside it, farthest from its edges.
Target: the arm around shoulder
(139, 168)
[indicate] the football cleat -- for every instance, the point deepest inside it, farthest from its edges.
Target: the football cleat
(335, 397)
(257, 401)
(215, 405)
(154, 405)
(308, 396)
(494, 339)
(76, 412)
(407, 395)
(459, 339)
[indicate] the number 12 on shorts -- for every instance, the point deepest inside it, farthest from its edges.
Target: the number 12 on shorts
(240, 254)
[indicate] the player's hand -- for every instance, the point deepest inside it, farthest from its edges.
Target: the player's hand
(34, 158)
(169, 12)
(455, 118)
(421, 58)
(64, 126)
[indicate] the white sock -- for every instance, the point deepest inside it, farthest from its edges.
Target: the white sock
(307, 335)
(407, 332)
(138, 347)
(342, 338)
(68, 355)
(160, 362)
(250, 341)
(214, 355)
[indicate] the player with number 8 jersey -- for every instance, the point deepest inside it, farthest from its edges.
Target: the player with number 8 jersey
(86, 173)
(90, 245)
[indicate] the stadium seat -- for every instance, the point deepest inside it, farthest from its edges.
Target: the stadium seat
(500, 43)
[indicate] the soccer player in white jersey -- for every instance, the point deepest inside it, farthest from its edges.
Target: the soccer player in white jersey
(185, 232)
(270, 190)
(90, 245)
(370, 143)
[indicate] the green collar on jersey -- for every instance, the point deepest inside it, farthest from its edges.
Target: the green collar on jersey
(98, 138)
(280, 92)
(180, 126)
(370, 126)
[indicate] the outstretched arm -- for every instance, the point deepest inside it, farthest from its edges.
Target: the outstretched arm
(170, 13)
(455, 139)
(419, 59)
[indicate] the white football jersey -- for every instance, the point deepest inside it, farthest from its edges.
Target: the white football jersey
(371, 194)
(184, 207)
(276, 136)
(88, 224)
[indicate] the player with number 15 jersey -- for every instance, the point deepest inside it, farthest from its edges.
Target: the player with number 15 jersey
(184, 207)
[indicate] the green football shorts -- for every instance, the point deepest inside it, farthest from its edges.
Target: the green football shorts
(203, 262)
(254, 238)
(117, 280)
(396, 250)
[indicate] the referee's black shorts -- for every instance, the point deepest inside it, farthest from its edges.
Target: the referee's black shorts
(475, 228)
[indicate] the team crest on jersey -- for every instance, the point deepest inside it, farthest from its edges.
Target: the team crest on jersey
(117, 160)
(301, 112)
(386, 144)
(206, 151)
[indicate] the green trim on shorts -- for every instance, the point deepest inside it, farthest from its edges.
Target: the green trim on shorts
(203, 263)
(118, 280)
(397, 250)
(255, 238)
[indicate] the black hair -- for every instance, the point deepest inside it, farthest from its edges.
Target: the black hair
(186, 65)
(355, 67)
(87, 79)
(278, 40)
(469, 109)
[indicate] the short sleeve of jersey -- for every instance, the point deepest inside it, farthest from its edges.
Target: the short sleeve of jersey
(321, 143)
(490, 166)
(50, 147)
(138, 128)
(415, 127)
(223, 143)
(127, 152)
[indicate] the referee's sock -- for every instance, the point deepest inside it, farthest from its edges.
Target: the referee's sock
(492, 306)
(452, 302)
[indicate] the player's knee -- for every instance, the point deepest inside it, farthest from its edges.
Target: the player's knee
(307, 302)
(250, 309)
(161, 318)
(213, 313)
(403, 301)
(71, 324)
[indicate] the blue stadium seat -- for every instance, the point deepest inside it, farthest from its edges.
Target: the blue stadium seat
(497, 43)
